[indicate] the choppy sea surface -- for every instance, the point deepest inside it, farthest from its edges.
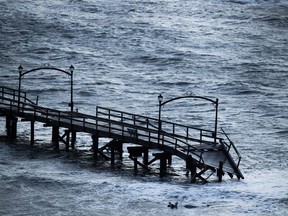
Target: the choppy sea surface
(125, 53)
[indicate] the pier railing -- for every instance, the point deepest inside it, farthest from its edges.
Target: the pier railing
(138, 129)
(14, 95)
(191, 135)
(143, 128)
(231, 149)
(126, 126)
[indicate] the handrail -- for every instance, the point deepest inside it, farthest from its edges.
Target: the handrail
(176, 136)
(233, 145)
(189, 148)
(165, 136)
(145, 117)
(168, 126)
(138, 120)
(50, 114)
(12, 92)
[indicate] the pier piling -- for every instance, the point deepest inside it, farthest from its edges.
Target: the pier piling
(11, 126)
(32, 133)
(67, 132)
(55, 137)
(95, 145)
(73, 139)
(220, 171)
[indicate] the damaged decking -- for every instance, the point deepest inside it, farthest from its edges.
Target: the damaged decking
(203, 153)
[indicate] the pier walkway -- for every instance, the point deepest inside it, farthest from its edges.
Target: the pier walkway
(204, 153)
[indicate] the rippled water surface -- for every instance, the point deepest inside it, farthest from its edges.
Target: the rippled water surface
(125, 53)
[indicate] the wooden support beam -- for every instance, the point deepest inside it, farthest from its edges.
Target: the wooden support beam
(95, 145)
(158, 156)
(102, 154)
(32, 133)
(25, 120)
(135, 165)
(14, 128)
(163, 166)
(163, 157)
(67, 132)
(73, 139)
(230, 175)
(153, 160)
(112, 154)
(11, 126)
(61, 138)
(193, 170)
(220, 172)
(55, 137)
(191, 166)
(145, 156)
(136, 151)
(115, 145)
(8, 130)
(134, 158)
(199, 174)
(120, 150)
(139, 163)
(7, 125)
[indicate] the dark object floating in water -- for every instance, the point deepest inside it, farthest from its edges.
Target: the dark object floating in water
(172, 206)
(190, 206)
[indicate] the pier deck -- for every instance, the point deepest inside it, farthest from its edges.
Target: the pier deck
(201, 153)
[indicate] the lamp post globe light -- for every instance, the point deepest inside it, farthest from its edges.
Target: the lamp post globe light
(20, 69)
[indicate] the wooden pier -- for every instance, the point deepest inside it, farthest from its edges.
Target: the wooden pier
(205, 154)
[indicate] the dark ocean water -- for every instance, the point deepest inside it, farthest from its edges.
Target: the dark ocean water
(125, 53)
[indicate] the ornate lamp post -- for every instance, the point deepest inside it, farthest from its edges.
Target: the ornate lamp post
(71, 75)
(160, 99)
(20, 70)
(161, 103)
(46, 67)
